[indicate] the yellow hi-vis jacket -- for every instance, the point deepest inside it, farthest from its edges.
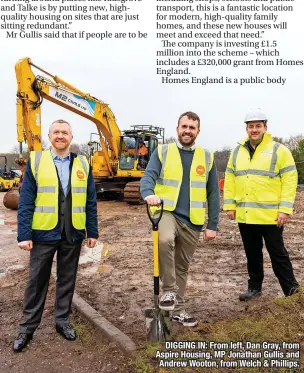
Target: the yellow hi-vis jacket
(170, 179)
(46, 204)
(260, 188)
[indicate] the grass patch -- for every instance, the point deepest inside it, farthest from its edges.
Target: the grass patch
(84, 330)
(281, 320)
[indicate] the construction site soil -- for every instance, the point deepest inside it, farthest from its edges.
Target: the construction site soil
(118, 283)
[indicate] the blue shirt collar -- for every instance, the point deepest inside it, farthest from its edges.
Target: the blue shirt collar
(179, 145)
(56, 157)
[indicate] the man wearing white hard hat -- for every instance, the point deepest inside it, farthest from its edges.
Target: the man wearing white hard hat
(260, 188)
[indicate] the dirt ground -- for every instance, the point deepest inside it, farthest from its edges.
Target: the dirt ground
(217, 275)
(120, 286)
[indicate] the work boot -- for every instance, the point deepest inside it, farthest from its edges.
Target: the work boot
(185, 319)
(167, 301)
(250, 294)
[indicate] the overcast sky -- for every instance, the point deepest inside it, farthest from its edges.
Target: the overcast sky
(122, 74)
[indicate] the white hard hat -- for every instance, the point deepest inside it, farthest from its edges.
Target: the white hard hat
(255, 114)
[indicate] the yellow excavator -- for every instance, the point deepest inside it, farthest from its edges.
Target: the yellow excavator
(117, 160)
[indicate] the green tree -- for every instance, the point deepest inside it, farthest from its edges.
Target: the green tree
(296, 145)
(278, 139)
(298, 155)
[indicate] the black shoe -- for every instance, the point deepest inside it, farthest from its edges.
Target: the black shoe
(21, 341)
(293, 290)
(67, 332)
(250, 294)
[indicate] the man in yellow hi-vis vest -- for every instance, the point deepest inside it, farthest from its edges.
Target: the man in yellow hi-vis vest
(184, 176)
(259, 193)
(57, 209)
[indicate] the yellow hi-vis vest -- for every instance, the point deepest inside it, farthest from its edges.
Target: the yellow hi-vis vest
(170, 179)
(260, 188)
(46, 204)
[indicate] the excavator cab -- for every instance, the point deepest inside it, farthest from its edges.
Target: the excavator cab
(136, 148)
(137, 145)
(127, 154)
(143, 153)
(134, 151)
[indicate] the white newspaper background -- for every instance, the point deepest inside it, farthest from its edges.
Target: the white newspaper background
(136, 74)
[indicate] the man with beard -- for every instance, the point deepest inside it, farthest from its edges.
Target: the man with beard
(184, 176)
(259, 193)
(57, 209)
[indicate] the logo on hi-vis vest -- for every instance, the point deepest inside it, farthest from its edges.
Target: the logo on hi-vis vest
(200, 170)
(80, 174)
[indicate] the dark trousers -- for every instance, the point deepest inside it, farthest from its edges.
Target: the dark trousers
(41, 259)
(252, 236)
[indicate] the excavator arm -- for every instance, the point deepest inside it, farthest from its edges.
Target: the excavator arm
(113, 171)
(33, 89)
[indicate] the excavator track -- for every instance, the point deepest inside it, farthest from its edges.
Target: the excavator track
(132, 193)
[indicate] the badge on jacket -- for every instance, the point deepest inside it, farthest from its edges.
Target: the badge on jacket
(200, 170)
(80, 174)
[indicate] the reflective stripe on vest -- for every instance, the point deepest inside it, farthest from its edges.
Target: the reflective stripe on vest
(46, 205)
(271, 173)
(45, 209)
(266, 206)
(171, 175)
(46, 189)
(229, 202)
(257, 205)
(79, 191)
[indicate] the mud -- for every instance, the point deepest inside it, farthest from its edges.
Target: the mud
(124, 287)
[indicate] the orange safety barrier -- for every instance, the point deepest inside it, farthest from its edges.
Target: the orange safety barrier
(221, 184)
